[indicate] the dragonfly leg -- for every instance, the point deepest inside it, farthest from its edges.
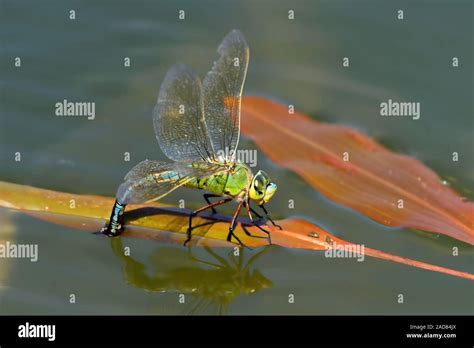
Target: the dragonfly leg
(249, 214)
(194, 213)
(246, 231)
(254, 212)
(209, 195)
(269, 218)
(232, 225)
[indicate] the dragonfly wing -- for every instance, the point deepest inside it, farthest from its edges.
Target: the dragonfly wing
(222, 92)
(178, 117)
(152, 180)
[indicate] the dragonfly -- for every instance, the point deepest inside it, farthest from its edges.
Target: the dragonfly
(197, 125)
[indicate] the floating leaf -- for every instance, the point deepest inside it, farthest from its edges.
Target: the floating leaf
(351, 169)
(157, 221)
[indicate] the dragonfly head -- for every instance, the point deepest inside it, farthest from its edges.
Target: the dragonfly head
(262, 188)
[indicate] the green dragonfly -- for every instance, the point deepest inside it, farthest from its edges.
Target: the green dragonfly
(198, 127)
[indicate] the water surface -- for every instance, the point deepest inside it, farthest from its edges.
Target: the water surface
(297, 61)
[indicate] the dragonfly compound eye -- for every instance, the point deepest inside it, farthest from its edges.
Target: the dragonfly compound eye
(259, 183)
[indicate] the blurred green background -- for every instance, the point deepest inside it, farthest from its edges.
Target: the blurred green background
(297, 61)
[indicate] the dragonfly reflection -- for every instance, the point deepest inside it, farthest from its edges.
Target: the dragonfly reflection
(213, 284)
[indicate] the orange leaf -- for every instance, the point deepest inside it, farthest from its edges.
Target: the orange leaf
(373, 180)
(164, 223)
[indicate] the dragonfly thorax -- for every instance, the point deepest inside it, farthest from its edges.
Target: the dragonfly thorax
(239, 183)
(232, 181)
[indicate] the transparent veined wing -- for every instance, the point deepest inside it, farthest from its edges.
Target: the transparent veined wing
(152, 180)
(222, 92)
(178, 117)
